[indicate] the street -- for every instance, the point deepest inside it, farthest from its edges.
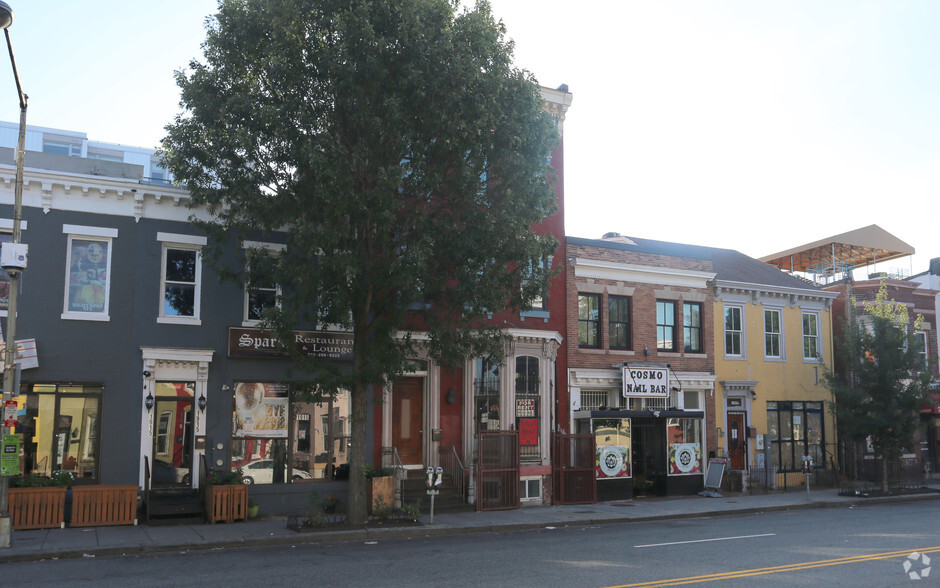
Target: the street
(850, 546)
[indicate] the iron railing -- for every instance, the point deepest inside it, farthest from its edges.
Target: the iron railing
(454, 469)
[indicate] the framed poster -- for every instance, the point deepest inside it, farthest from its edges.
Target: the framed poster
(260, 410)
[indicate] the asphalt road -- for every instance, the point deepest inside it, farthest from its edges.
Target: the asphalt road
(860, 546)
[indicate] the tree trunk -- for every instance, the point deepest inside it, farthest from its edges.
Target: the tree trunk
(884, 474)
(358, 512)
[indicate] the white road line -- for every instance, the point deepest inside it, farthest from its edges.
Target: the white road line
(705, 540)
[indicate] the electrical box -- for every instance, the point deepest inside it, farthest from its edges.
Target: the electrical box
(13, 256)
(759, 443)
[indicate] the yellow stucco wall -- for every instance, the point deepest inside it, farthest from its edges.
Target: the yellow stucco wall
(789, 378)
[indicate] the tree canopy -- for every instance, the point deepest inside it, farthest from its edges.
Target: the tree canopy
(396, 151)
(883, 383)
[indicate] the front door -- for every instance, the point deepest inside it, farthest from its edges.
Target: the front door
(407, 412)
(172, 435)
(737, 440)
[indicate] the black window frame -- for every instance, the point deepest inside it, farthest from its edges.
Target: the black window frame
(662, 325)
(618, 325)
(586, 325)
(692, 332)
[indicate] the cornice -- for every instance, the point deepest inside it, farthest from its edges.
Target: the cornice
(644, 274)
(792, 296)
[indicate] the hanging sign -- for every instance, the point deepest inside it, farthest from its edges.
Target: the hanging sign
(645, 382)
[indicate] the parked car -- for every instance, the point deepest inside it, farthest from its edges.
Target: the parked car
(261, 471)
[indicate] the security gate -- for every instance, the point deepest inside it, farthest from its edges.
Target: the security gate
(573, 469)
(498, 470)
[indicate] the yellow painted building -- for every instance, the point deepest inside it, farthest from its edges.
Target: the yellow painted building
(773, 339)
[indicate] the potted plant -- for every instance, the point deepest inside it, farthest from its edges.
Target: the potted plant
(329, 504)
(380, 487)
(226, 496)
(38, 502)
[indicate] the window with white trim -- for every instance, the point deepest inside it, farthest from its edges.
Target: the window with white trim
(734, 331)
(811, 347)
(772, 333)
(180, 278)
(260, 293)
(88, 272)
(923, 351)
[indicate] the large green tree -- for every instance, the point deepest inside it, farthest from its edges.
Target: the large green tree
(883, 382)
(402, 156)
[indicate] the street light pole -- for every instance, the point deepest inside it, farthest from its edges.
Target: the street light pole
(9, 370)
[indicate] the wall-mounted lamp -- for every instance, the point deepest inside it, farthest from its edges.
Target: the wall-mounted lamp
(646, 351)
(147, 374)
(148, 402)
(753, 395)
(202, 402)
(451, 395)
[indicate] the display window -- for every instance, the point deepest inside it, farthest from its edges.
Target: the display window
(58, 429)
(613, 442)
(278, 440)
(684, 436)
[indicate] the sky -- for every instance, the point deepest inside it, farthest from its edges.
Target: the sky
(755, 126)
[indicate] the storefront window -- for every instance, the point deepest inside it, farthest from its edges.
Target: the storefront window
(58, 428)
(795, 429)
(277, 440)
(684, 437)
(612, 439)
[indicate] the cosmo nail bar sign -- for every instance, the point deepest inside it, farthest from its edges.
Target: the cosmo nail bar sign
(645, 382)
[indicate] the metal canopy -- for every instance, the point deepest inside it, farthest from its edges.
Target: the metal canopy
(858, 248)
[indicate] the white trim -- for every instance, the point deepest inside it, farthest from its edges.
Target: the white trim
(624, 272)
(197, 285)
(184, 239)
(6, 224)
(82, 230)
(263, 245)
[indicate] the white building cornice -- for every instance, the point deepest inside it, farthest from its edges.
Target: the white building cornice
(644, 274)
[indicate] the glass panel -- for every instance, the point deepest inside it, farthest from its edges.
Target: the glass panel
(612, 438)
(180, 265)
(179, 300)
(321, 438)
(486, 394)
(684, 438)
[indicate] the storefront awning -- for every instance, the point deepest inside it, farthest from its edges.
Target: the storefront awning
(623, 414)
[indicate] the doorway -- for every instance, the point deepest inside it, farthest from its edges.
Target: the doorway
(407, 419)
(173, 435)
(737, 440)
(649, 453)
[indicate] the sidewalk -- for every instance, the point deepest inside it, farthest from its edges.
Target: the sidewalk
(100, 541)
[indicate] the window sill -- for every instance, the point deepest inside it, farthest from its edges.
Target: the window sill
(534, 314)
(735, 358)
(84, 316)
(178, 320)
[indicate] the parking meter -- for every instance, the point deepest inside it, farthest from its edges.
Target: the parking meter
(807, 470)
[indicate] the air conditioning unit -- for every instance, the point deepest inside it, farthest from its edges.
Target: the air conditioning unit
(13, 257)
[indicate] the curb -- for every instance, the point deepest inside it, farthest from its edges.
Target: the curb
(436, 530)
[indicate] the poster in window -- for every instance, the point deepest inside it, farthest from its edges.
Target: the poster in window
(260, 410)
(528, 431)
(88, 275)
(613, 461)
(685, 458)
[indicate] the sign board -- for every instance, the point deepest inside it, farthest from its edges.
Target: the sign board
(10, 455)
(525, 407)
(255, 343)
(645, 382)
(26, 356)
(716, 469)
(528, 431)
(9, 413)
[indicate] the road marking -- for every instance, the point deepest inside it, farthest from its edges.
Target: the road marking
(705, 540)
(777, 569)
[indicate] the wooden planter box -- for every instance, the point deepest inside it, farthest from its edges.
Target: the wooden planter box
(36, 508)
(99, 505)
(383, 488)
(226, 503)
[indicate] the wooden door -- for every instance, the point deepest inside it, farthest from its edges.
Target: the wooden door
(407, 417)
(737, 440)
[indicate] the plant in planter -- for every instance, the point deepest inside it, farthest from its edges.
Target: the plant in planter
(329, 504)
(252, 509)
(380, 487)
(226, 496)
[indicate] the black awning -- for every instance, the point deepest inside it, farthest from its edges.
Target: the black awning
(623, 414)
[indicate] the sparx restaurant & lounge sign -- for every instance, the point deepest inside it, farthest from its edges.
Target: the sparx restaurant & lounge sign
(255, 343)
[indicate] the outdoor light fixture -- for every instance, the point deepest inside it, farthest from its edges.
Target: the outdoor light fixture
(148, 402)
(451, 395)
(16, 253)
(202, 401)
(753, 395)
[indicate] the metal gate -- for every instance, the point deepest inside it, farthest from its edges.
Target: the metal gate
(498, 470)
(573, 469)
